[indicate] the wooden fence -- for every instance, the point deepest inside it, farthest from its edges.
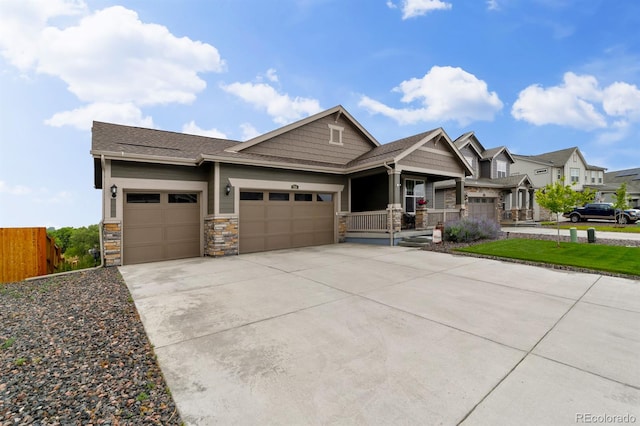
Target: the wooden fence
(27, 252)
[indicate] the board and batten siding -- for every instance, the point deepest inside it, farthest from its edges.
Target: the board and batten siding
(467, 152)
(311, 142)
(282, 175)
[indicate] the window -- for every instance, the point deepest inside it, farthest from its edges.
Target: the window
(183, 198)
(140, 198)
(251, 196)
(324, 197)
(413, 190)
(335, 134)
(575, 175)
(278, 196)
(501, 168)
(303, 197)
(593, 176)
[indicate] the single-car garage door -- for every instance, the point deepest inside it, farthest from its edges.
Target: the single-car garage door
(160, 226)
(272, 220)
(482, 208)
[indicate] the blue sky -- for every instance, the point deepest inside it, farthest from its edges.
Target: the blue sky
(533, 75)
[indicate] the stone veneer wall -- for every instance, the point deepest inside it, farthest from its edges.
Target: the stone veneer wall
(396, 219)
(221, 236)
(421, 218)
(342, 227)
(112, 241)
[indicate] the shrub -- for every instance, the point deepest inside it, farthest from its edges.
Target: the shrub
(470, 229)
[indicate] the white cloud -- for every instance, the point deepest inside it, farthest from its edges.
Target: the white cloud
(108, 57)
(14, 189)
(193, 129)
(578, 102)
(413, 8)
(622, 99)
(281, 107)
(446, 93)
(248, 131)
(493, 5)
(82, 118)
(271, 75)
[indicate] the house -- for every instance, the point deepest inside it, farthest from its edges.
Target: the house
(170, 195)
(568, 164)
(613, 180)
(491, 191)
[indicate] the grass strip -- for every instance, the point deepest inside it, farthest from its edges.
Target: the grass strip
(599, 228)
(616, 259)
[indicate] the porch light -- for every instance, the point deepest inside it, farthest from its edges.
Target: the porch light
(227, 189)
(114, 191)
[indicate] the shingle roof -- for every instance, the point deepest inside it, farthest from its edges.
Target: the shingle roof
(554, 157)
(109, 137)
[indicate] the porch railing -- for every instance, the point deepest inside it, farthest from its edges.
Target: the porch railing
(374, 221)
(441, 215)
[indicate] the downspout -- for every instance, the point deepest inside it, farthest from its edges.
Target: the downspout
(390, 222)
(101, 224)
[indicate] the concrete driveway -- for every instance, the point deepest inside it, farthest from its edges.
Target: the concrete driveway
(356, 334)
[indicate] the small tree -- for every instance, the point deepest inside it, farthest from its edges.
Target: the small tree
(559, 198)
(621, 201)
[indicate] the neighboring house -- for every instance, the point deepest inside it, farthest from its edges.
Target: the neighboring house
(490, 192)
(613, 180)
(170, 195)
(568, 164)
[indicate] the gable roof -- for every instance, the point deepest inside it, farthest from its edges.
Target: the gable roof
(338, 110)
(557, 158)
(470, 139)
(115, 141)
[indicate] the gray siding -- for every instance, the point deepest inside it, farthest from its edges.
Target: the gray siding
(262, 173)
(494, 165)
(133, 170)
(431, 160)
(468, 152)
(311, 142)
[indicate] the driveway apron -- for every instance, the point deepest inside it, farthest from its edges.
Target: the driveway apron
(358, 334)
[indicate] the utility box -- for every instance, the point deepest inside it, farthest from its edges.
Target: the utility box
(591, 235)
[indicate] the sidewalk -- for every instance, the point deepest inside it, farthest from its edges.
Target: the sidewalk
(565, 232)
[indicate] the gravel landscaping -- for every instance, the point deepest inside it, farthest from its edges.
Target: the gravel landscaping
(73, 351)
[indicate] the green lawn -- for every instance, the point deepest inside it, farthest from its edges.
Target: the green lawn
(632, 229)
(623, 260)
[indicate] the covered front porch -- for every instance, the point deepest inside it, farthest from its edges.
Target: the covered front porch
(389, 205)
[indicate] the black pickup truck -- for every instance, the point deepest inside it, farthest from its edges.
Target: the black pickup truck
(602, 211)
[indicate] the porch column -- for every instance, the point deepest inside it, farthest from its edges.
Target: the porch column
(514, 204)
(394, 188)
(460, 193)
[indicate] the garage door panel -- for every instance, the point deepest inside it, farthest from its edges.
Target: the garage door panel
(169, 227)
(299, 222)
(144, 216)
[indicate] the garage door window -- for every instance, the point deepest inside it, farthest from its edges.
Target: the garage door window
(278, 196)
(141, 198)
(251, 196)
(183, 198)
(325, 197)
(303, 197)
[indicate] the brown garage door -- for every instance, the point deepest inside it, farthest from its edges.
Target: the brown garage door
(482, 208)
(160, 226)
(272, 220)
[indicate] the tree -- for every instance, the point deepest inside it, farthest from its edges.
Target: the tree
(76, 242)
(621, 201)
(559, 198)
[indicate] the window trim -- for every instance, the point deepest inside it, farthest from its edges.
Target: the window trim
(414, 196)
(335, 130)
(498, 171)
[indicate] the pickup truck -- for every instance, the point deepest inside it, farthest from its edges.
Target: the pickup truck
(602, 211)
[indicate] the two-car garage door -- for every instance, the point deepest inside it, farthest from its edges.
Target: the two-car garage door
(160, 226)
(272, 220)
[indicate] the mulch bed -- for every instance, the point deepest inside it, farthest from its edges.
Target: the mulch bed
(73, 351)
(449, 247)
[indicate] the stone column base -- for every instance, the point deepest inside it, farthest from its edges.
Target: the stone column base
(221, 236)
(112, 243)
